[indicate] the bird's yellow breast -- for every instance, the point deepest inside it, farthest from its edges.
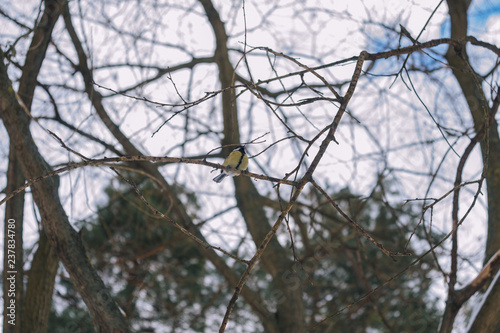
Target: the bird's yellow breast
(236, 160)
(244, 163)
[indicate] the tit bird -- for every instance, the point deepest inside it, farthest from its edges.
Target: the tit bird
(238, 160)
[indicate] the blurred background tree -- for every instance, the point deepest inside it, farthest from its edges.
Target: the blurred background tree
(157, 268)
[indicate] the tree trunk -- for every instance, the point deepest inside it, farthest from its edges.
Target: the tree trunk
(40, 286)
(470, 84)
(487, 319)
(13, 276)
(41, 283)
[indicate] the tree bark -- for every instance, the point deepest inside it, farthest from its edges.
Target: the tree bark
(40, 286)
(14, 215)
(32, 312)
(487, 319)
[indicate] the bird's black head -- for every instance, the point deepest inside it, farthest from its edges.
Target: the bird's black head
(240, 149)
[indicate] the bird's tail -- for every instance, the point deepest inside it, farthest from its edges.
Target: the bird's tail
(220, 178)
